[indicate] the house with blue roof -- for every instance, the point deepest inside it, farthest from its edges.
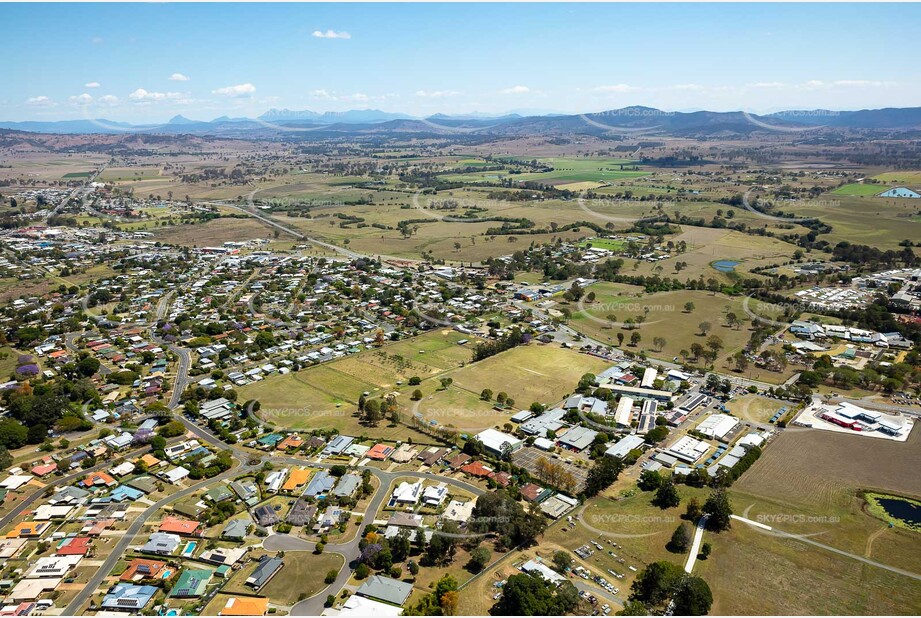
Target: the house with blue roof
(123, 493)
(125, 597)
(320, 484)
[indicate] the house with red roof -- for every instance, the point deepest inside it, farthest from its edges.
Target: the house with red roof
(477, 469)
(380, 452)
(99, 479)
(183, 527)
(74, 546)
(531, 491)
(502, 479)
(44, 470)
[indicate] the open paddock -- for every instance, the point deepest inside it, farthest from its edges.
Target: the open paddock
(535, 372)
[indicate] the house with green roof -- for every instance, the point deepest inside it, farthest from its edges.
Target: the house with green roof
(191, 583)
(219, 494)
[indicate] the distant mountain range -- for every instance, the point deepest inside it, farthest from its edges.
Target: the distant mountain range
(629, 120)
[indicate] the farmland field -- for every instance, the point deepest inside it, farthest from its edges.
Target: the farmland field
(569, 170)
(214, 232)
(814, 479)
(859, 189)
(878, 222)
(903, 177)
(755, 573)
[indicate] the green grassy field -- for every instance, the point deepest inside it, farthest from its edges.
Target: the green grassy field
(604, 243)
(754, 573)
(859, 189)
(902, 177)
(614, 305)
(326, 395)
(544, 373)
(755, 407)
(583, 170)
(878, 222)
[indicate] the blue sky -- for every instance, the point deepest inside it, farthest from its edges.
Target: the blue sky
(148, 62)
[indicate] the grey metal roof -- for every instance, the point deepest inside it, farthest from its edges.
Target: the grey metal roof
(385, 589)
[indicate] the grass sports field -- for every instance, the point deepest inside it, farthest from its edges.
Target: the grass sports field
(604, 243)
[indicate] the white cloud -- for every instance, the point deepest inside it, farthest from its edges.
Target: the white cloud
(616, 88)
(143, 96)
(864, 83)
(96, 40)
(516, 90)
(358, 97)
(321, 94)
(689, 87)
(40, 101)
(81, 99)
(178, 77)
(108, 99)
(331, 34)
(91, 85)
(436, 94)
(238, 91)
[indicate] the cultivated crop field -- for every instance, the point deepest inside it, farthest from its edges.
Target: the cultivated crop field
(830, 466)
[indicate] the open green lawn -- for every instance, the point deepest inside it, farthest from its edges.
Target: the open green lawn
(460, 408)
(755, 408)
(8, 359)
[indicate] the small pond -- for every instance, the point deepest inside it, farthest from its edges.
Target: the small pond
(725, 266)
(898, 508)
